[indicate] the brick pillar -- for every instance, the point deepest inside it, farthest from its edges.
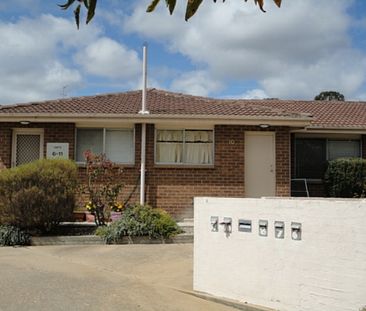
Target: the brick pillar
(283, 159)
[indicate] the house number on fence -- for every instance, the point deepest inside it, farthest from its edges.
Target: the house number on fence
(57, 150)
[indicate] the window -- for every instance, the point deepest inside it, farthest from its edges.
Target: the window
(193, 147)
(310, 158)
(27, 146)
(343, 149)
(312, 154)
(117, 144)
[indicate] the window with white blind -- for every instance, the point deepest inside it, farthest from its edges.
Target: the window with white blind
(343, 149)
(116, 144)
(191, 147)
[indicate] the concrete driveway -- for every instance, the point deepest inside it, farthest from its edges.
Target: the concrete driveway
(116, 277)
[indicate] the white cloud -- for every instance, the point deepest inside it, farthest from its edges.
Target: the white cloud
(254, 94)
(292, 52)
(40, 56)
(108, 58)
(196, 83)
(31, 58)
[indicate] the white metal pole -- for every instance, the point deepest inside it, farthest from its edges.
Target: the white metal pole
(143, 158)
(143, 126)
(144, 78)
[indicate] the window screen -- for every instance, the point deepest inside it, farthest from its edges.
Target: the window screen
(343, 149)
(27, 148)
(310, 158)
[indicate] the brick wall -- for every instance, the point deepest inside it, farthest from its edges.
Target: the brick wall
(172, 187)
(53, 133)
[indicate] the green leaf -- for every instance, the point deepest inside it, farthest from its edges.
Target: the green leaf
(86, 3)
(152, 6)
(91, 10)
(77, 15)
(171, 5)
(66, 5)
(192, 7)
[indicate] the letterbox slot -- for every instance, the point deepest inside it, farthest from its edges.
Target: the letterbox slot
(245, 225)
(263, 227)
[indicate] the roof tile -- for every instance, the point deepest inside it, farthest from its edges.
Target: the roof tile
(159, 102)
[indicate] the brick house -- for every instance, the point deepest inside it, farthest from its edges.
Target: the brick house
(195, 146)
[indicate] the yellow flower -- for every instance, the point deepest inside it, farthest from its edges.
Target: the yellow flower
(117, 207)
(90, 206)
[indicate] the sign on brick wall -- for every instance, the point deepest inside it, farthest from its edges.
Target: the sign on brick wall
(57, 150)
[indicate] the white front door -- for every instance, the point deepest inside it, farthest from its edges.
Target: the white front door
(27, 146)
(260, 164)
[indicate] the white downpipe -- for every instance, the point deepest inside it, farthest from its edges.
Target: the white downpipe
(143, 126)
(143, 158)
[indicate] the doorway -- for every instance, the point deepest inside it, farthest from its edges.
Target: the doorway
(260, 164)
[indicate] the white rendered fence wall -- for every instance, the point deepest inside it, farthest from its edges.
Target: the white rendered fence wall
(324, 271)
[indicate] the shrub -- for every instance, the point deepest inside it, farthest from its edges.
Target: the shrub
(345, 178)
(11, 236)
(38, 195)
(140, 220)
(103, 185)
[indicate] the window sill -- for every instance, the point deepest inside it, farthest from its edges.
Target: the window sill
(119, 165)
(184, 166)
(311, 180)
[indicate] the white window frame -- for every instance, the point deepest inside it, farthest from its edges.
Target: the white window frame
(26, 131)
(105, 129)
(347, 140)
(184, 164)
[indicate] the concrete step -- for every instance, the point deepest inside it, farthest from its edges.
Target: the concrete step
(183, 238)
(187, 227)
(95, 240)
(67, 240)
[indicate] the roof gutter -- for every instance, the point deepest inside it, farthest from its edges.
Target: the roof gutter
(149, 118)
(335, 130)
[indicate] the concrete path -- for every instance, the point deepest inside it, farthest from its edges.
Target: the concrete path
(99, 277)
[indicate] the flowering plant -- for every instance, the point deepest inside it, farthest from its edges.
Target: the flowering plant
(103, 185)
(90, 207)
(116, 207)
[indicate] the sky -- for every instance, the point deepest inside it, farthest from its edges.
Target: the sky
(227, 50)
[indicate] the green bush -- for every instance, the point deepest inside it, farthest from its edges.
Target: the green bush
(38, 195)
(345, 178)
(140, 220)
(11, 236)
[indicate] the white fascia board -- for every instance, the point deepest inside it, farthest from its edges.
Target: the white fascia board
(340, 130)
(166, 119)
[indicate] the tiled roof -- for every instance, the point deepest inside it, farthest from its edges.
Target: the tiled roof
(326, 114)
(159, 103)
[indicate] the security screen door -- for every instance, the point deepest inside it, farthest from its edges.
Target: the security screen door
(27, 146)
(260, 164)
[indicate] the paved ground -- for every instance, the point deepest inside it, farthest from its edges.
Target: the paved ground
(116, 277)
